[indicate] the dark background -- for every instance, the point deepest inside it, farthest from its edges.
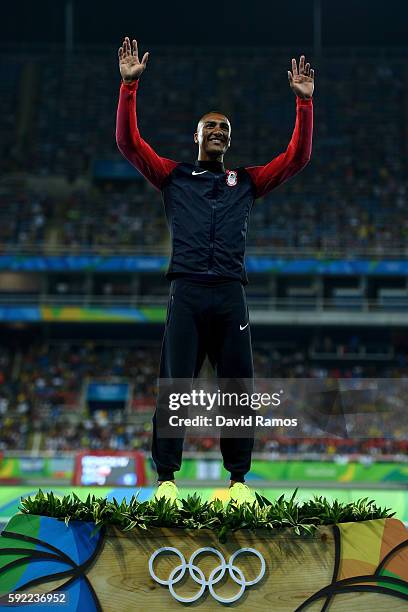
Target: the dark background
(237, 22)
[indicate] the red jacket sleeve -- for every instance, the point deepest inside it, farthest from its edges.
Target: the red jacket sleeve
(132, 146)
(296, 156)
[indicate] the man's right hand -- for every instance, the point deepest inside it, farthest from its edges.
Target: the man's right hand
(129, 65)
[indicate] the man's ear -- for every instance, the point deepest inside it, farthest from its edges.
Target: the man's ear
(196, 137)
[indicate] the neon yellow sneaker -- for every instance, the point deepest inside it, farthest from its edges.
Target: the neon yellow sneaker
(168, 490)
(241, 493)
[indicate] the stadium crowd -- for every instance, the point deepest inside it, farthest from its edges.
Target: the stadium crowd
(352, 195)
(42, 391)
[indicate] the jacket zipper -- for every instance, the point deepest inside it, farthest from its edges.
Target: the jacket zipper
(212, 226)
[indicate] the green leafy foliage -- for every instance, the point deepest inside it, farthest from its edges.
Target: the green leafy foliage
(302, 518)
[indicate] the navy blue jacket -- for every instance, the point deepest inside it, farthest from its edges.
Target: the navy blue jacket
(208, 212)
(208, 220)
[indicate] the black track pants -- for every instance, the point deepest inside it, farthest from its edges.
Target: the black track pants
(205, 318)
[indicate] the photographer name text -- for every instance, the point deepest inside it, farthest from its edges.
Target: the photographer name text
(255, 420)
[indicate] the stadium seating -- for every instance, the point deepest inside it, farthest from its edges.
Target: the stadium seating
(350, 200)
(351, 197)
(42, 384)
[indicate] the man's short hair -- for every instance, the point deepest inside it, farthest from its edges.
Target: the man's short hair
(212, 112)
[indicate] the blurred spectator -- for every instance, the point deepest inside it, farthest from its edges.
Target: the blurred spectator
(352, 196)
(44, 392)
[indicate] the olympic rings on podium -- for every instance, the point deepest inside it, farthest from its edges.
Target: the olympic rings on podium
(215, 576)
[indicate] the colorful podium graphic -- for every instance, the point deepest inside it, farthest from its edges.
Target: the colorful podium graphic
(362, 565)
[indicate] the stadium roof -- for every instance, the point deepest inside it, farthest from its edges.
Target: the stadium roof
(237, 22)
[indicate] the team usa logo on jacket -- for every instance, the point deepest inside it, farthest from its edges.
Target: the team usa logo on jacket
(231, 178)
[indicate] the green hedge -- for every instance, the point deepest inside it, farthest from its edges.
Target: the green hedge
(193, 513)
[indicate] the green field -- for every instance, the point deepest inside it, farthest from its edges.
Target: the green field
(396, 500)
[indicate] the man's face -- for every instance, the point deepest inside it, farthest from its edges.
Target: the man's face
(213, 134)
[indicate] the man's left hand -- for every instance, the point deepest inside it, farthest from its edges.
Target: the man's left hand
(302, 80)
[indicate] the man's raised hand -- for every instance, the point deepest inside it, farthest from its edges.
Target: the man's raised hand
(129, 65)
(302, 80)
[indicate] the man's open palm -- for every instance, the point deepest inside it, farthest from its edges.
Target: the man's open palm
(129, 65)
(302, 80)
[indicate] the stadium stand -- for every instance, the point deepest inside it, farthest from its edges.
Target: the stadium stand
(65, 189)
(360, 146)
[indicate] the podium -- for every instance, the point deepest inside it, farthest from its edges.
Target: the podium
(350, 566)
